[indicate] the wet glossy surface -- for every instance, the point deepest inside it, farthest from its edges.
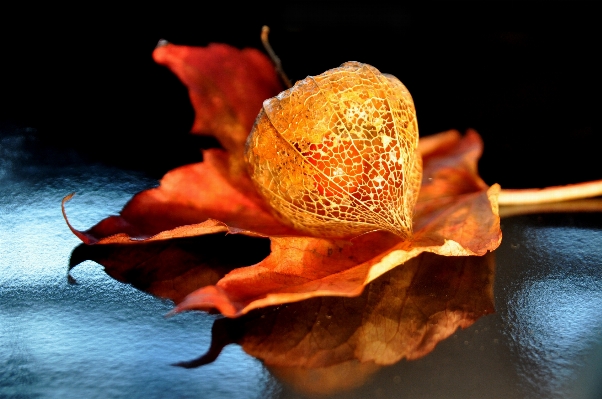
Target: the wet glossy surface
(101, 338)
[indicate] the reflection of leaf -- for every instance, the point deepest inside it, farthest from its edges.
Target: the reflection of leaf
(456, 213)
(326, 380)
(402, 314)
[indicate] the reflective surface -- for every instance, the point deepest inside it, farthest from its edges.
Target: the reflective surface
(102, 338)
(99, 338)
(550, 294)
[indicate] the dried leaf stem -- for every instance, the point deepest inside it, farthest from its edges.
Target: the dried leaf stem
(277, 63)
(551, 194)
(592, 205)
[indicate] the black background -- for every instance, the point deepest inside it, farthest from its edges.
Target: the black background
(526, 75)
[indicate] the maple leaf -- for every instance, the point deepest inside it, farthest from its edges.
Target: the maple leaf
(456, 212)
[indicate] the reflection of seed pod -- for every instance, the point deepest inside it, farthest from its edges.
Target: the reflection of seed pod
(335, 155)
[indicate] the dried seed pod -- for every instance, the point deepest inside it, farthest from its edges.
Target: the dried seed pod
(335, 155)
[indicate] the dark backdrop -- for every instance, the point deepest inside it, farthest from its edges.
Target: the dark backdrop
(526, 75)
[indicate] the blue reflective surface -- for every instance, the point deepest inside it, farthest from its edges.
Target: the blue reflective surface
(101, 338)
(551, 298)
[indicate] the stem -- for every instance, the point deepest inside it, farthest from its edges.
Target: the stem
(551, 194)
(584, 205)
(277, 64)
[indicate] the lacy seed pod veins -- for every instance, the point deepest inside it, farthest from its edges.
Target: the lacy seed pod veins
(335, 155)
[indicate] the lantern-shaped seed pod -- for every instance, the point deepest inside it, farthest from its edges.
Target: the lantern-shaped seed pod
(335, 155)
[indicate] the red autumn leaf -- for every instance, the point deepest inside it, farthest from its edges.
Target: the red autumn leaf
(226, 86)
(456, 213)
(192, 200)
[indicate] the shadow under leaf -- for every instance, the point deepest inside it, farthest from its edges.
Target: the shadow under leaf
(174, 268)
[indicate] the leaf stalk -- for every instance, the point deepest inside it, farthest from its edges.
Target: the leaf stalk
(550, 194)
(265, 31)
